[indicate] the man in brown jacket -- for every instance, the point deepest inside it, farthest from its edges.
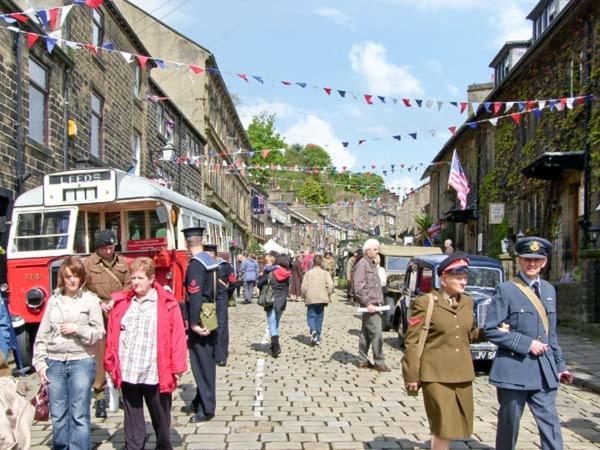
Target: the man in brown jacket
(368, 292)
(107, 272)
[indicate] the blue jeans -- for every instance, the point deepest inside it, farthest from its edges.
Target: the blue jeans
(273, 318)
(70, 394)
(314, 318)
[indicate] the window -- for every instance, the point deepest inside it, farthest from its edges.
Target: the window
(96, 125)
(165, 123)
(38, 102)
(97, 28)
(137, 80)
(42, 231)
(136, 150)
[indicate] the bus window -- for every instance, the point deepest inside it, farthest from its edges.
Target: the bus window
(93, 228)
(136, 225)
(42, 231)
(155, 227)
(79, 245)
(112, 221)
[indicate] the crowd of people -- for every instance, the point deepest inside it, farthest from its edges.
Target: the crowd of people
(110, 317)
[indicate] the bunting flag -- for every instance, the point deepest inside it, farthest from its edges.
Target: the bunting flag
(142, 60)
(32, 39)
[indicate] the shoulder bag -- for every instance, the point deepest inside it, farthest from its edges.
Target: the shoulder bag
(208, 313)
(265, 298)
(424, 331)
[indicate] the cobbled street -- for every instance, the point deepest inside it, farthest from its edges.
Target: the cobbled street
(316, 398)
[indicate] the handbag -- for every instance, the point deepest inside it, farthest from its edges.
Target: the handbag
(41, 404)
(265, 298)
(208, 313)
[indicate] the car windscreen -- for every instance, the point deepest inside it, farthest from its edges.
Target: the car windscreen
(484, 277)
(396, 263)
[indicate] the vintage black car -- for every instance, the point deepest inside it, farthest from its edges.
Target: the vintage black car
(484, 275)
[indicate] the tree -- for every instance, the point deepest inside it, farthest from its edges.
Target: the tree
(313, 192)
(267, 145)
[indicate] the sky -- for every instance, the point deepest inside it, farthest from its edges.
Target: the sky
(427, 49)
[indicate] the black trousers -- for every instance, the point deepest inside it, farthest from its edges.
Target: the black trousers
(222, 348)
(159, 407)
(204, 369)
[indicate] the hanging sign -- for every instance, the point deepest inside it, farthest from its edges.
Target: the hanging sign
(496, 213)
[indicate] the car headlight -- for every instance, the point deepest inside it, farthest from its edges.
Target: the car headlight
(35, 298)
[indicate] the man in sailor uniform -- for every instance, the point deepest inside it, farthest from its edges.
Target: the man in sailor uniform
(199, 285)
(529, 364)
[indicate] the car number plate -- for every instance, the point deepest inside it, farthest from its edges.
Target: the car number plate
(480, 355)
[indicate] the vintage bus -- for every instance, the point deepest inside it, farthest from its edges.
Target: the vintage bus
(64, 215)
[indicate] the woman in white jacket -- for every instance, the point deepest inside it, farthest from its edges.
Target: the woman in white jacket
(64, 355)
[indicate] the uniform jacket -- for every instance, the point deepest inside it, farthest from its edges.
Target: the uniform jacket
(366, 283)
(317, 286)
(103, 284)
(329, 265)
(84, 310)
(447, 356)
(514, 367)
(199, 286)
(170, 335)
(250, 269)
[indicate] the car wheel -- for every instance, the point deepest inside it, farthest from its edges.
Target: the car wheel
(402, 324)
(388, 316)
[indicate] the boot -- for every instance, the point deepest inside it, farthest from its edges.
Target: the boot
(275, 348)
(101, 408)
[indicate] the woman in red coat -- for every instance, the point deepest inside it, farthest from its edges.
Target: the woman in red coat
(146, 353)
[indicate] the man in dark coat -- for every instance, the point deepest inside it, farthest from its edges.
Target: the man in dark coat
(199, 285)
(529, 364)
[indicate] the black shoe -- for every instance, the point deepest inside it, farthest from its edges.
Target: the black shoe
(188, 409)
(221, 363)
(199, 417)
(275, 348)
(101, 409)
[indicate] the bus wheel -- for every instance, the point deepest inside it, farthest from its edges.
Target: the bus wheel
(25, 343)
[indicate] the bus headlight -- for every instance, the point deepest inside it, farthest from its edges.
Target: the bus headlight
(35, 298)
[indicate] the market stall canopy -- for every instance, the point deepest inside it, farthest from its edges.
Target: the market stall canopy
(272, 246)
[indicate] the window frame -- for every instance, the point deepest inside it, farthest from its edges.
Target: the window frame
(46, 96)
(136, 151)
(137, 80)
(98, 28)
(100, 118)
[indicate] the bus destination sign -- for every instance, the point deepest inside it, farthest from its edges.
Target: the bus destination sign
(82, 177)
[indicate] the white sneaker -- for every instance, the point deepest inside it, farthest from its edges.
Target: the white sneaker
(113, 396)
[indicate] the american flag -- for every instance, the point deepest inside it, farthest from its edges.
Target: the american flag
(458, 181)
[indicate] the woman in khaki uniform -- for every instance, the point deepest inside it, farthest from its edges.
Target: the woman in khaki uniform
(445, 370)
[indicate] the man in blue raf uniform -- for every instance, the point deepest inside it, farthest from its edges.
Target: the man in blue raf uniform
(225, 270)
(529, 363)
(199, 284)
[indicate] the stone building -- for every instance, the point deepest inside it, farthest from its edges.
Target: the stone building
(415, 203)
(541, 167)
(203, 98)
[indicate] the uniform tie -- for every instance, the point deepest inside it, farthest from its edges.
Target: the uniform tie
(536, 288)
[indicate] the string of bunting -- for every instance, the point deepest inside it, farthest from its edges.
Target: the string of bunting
(163, 63)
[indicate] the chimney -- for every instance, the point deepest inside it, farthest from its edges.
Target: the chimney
(477, 92)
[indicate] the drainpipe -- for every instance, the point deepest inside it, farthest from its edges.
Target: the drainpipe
(586, 146)
(20, 173)
(67, 72)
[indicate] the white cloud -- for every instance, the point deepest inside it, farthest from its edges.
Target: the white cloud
(511, 24)
(439, 4)
(310, 129)
(369, 60)
(338, 17)
(280, 109)
(452, 89)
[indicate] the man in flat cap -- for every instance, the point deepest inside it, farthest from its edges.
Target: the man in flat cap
(107, 273)
(529, 364)
(200, 280)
